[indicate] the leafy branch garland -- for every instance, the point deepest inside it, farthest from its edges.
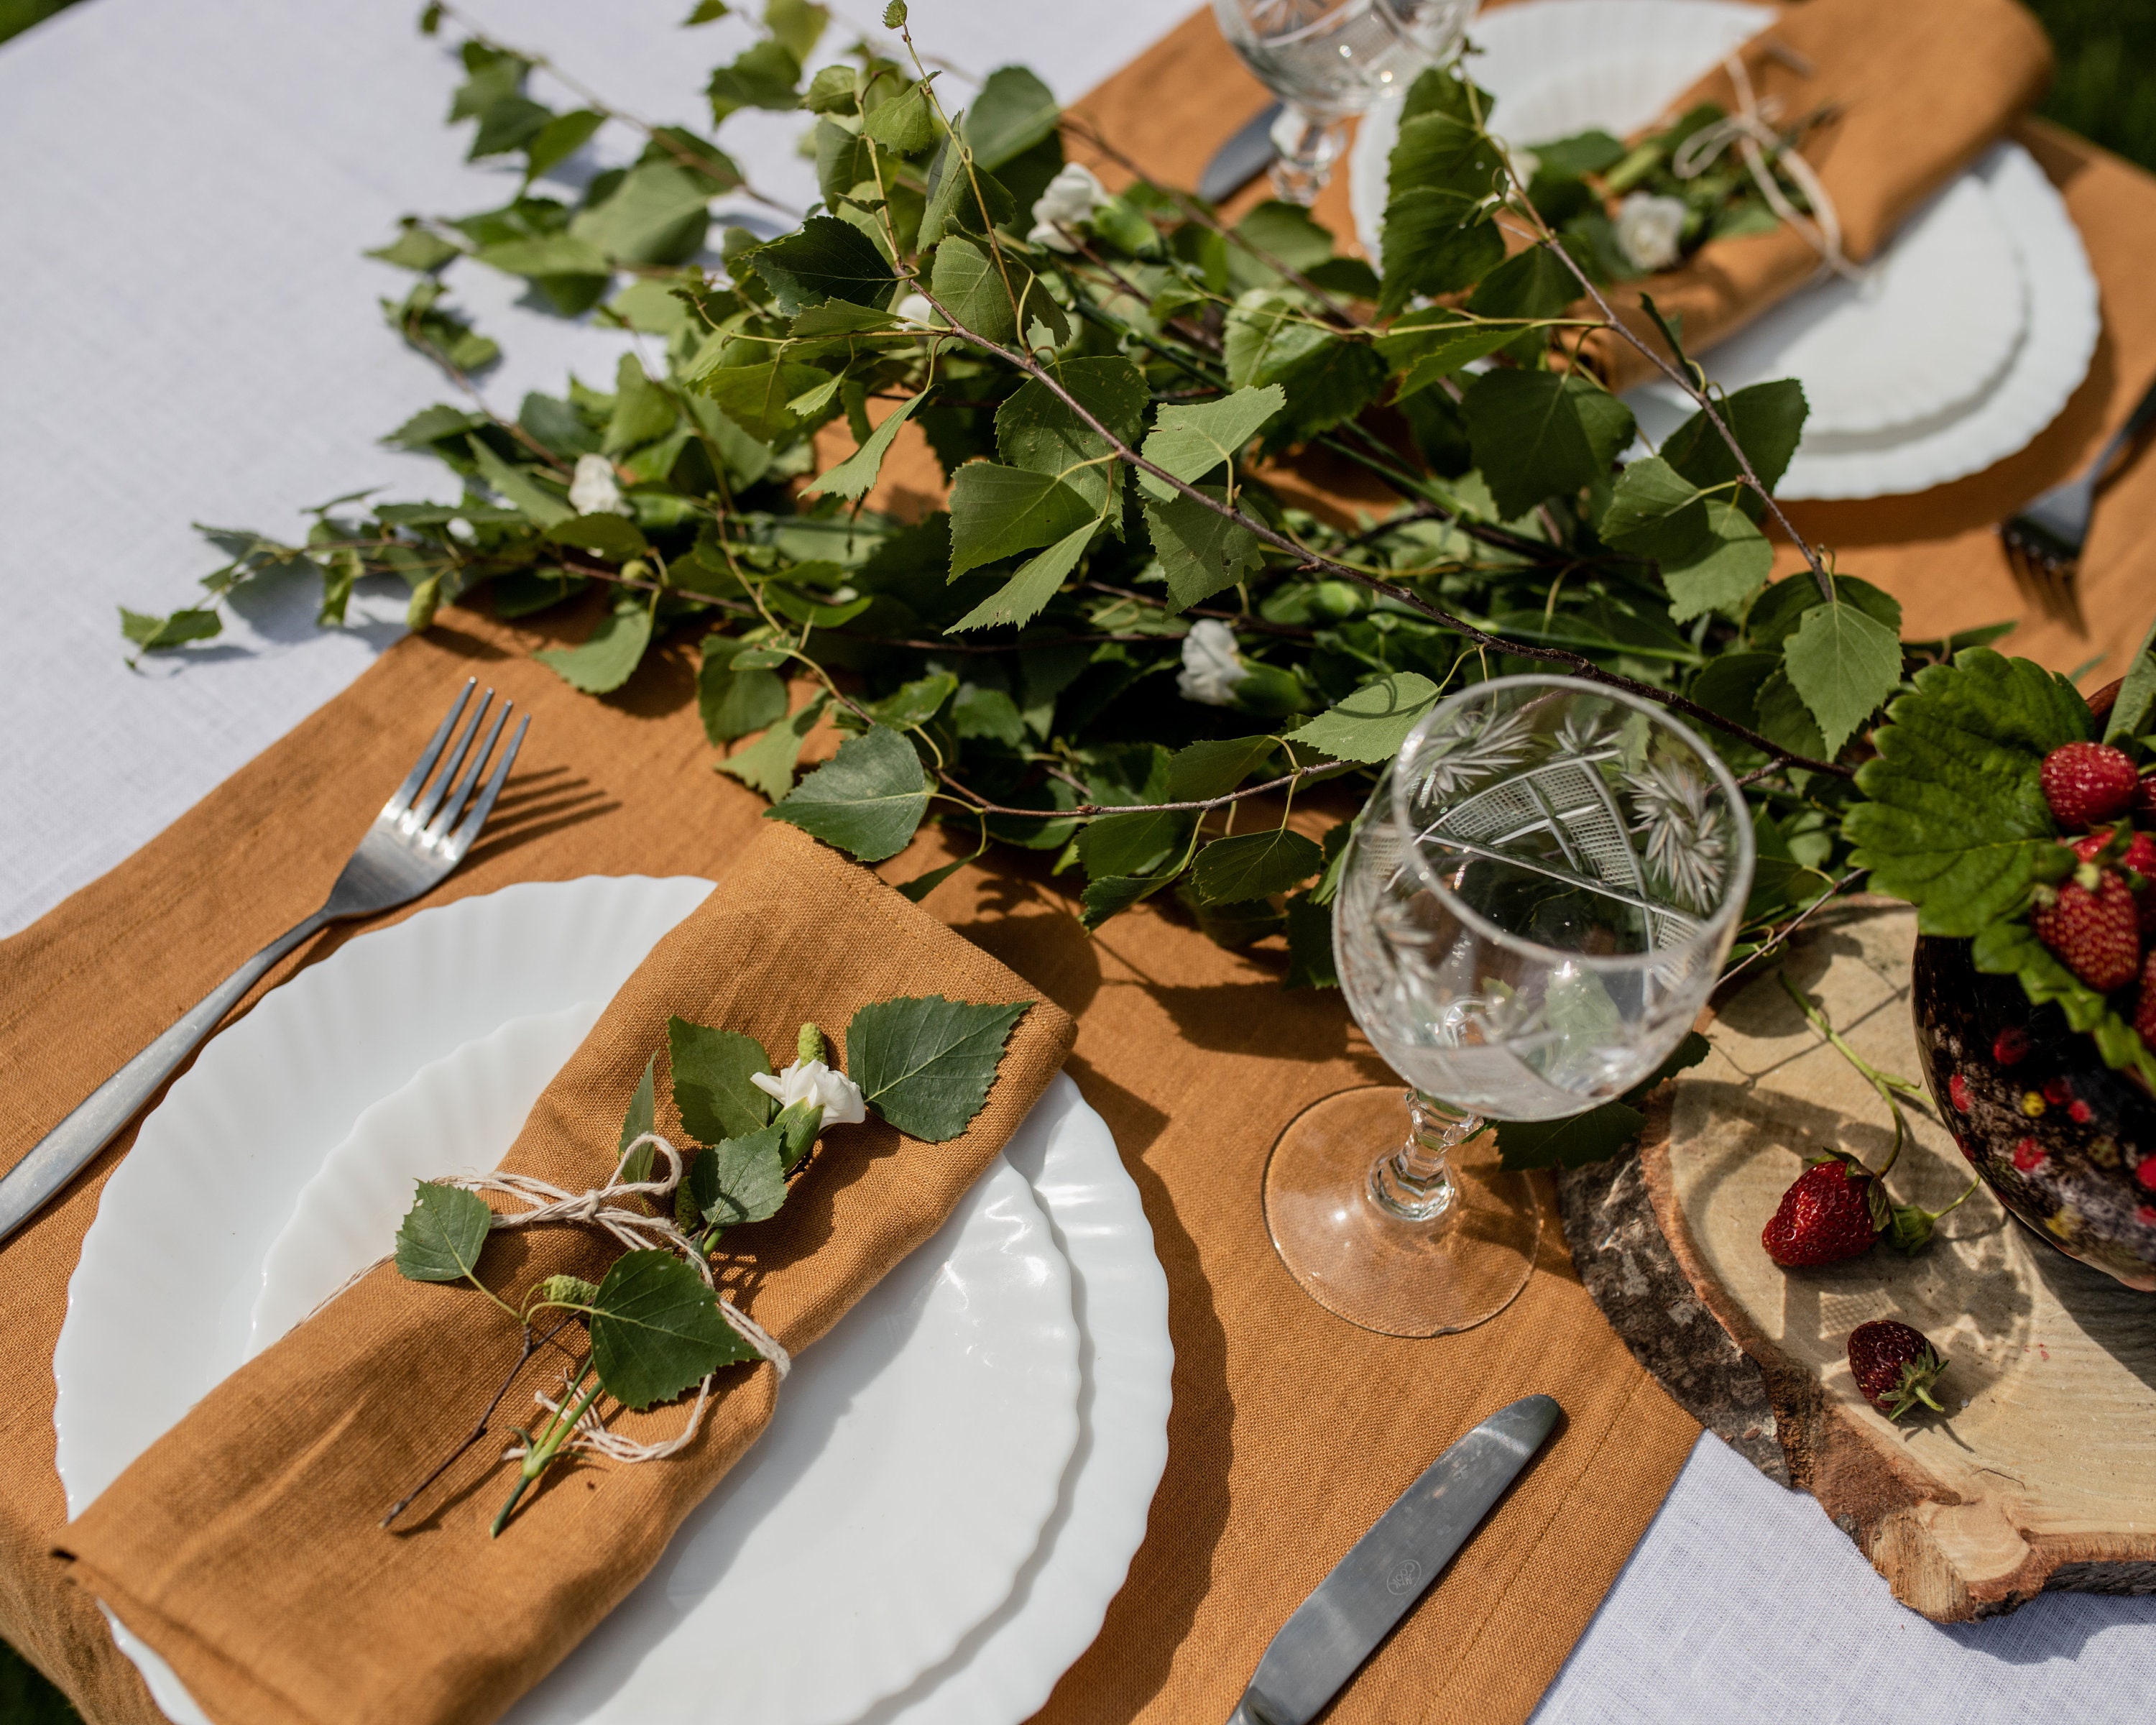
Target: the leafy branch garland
(656, 1323)
(1121, 635)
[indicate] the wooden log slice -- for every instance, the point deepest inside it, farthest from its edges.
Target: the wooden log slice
(2042, 1472)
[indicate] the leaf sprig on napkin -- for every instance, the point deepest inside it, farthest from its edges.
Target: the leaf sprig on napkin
(655, 1326)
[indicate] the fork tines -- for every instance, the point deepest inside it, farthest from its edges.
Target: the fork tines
(2045, 567)
(429, 817)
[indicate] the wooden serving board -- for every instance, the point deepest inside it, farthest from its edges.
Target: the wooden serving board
(2042, 1473)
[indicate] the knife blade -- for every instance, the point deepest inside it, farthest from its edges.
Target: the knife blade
(1242, 158)
(1390, 1568)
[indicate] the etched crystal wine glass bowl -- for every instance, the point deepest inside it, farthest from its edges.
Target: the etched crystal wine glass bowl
(1327, 60)
(1537, 902)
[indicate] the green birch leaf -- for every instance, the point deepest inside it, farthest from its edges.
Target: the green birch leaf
(1111, 895)
(559, 139)
(761, 76)
(153, 633)
(416, 248)
(766, 765)
(610, 656)
(1013, 112)
(1730, 563)
(642, 410)
(660, 213)
(798, 24)
(1780, 716)
(657, 1330)
(1435, 243)
(1844, 663)
(925, 1064)
(1133, 845)
(2135, 708)
(1201, 551)
(1443, 359)
(1190, 442)
(641, 1117)
(826, 259)
(549, 255)
(1206, 770)
(1767, 420)
(1442, 152)
(732, 702)
(867, 800)
(442, 1234)
(1955, 820)
(711, 1070)
(1650, 501)
(614, 537)
(1255, 865)
(853, 477)
(1019, 599)
(996, 510)
(904, 125)
(956, 198)
(1373, 721)
(1595, 1136)
(518, 486)
(739, 1180)
(1036, 429)
(756, 398)
(1540, 434)
(985, 297)
(1309, 944)
(1535, 283)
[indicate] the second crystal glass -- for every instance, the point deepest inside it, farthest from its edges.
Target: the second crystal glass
(1327, 60)
(1538, 902)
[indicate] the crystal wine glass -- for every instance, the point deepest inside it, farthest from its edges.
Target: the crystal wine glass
(1327, 60)
(1537, 899)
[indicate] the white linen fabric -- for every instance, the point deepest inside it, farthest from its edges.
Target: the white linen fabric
(187, 332)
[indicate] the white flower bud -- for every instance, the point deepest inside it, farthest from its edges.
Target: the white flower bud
(592, 491)
(1071, 197)
(1649, 230)
(813, 1081)
(914, 308)
(1212, 668)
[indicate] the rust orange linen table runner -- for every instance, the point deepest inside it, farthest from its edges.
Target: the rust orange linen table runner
(1290, 1430)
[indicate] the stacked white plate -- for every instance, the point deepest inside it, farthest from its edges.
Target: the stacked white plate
(1948, 351)
(958, 1474)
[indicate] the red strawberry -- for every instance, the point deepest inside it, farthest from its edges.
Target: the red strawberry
(2144, 796)
(2096, 929)
(2086, 782)
(1894, 1366)
(1825, 1215)
(2144, 1013)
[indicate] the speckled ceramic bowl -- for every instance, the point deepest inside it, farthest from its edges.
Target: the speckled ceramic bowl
(2068, 1144)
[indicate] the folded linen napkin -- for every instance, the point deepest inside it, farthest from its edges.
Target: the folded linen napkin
(245, 1547)
(1919, 89)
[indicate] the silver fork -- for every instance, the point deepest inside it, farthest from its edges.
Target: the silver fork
(415, 841)
(2044, 541)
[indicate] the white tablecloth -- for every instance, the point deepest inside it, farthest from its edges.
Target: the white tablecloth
(188, 332)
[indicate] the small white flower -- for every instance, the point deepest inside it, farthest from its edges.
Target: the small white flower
(1071, 197)
(1212, 668)
(592, 491)
(813, 1081)
(1648, 230)
(914, 308)
(461, 531)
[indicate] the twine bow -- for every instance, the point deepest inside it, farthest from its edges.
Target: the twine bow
(638, 1230)
(1751, 129)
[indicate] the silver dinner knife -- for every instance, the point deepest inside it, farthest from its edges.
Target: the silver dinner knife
(1390, 1567)
(1239, 161)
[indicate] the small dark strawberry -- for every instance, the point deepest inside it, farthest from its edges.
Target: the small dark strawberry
(1827, 1215)
(2086, 782)
(2144, 796)
(2094, 927)
(2144, 1011)
(1894, 1366)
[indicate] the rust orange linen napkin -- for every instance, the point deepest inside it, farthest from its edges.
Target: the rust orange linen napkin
(1918, 90)
(245, 1547)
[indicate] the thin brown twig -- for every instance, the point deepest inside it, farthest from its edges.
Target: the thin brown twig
(532, 1346)
(1792, 925)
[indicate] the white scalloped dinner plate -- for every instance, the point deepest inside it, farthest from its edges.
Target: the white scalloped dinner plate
(1959, 344)
(864, 1401)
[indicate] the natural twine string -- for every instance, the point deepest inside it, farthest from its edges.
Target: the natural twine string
(1750, 128)
(638, 1230)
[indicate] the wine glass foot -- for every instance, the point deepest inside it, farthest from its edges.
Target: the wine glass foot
(1377, 1270)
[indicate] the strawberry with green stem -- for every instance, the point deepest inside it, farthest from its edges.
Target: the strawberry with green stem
(1838, 1206)
(1894, 1366)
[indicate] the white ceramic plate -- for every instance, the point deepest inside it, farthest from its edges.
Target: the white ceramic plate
(1004, 1666)
(2047, 365)
(1963, 341)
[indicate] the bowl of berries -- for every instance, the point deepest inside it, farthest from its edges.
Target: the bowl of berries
(2019, 818)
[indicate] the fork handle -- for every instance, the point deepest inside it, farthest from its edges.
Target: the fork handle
(2138, 421)
(34, 1181)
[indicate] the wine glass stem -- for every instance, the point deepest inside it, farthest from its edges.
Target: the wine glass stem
(1306, 145)
(1415, 1182)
